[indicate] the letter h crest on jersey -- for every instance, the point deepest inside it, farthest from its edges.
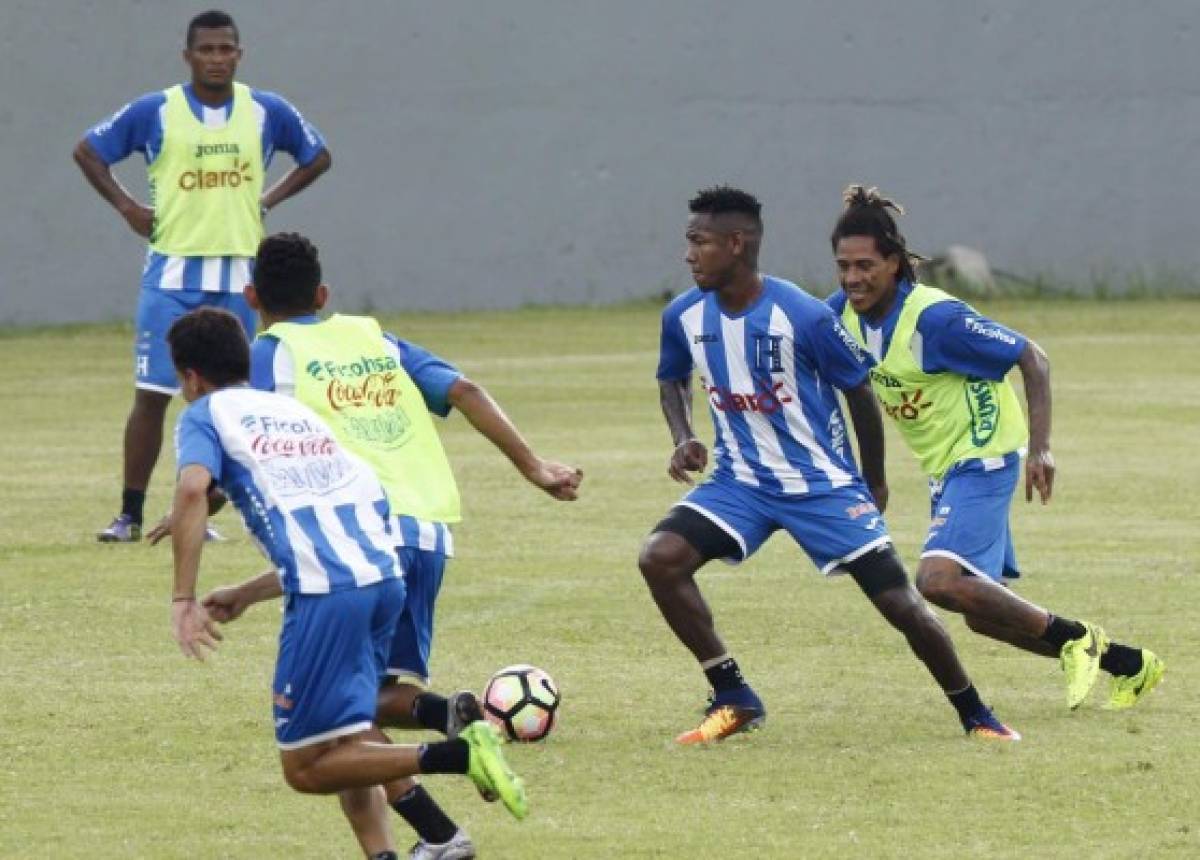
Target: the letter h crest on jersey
(768, 353)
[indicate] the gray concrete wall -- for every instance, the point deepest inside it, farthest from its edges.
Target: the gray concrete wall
(492, 154)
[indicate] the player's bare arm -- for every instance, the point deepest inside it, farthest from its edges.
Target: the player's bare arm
(690, 454)
(485, 415)
(868, 428)
(139, 216)
(227, 604)
(193, 629)
(1039, 467)
(296, 180)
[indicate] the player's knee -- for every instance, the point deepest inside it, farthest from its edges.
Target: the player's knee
(660, 557)
(937, 585)
(301, 779)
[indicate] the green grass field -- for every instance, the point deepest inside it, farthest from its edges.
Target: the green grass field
(113, 746)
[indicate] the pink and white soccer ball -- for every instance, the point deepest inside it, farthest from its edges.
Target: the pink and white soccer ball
(522, 702)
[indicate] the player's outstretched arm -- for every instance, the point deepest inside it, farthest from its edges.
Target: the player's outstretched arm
(228, 603)
(190, 624)
(140, 218)
(296, 180)
(690, 454)
(1039, 466)
(868, 428)
(477, 406)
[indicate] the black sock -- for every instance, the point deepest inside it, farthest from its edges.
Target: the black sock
(431, 711)
(424, 816)
(132, 502)
(445, 757)
(1121, 660)
(966, 702)
(1062, 630)
(725, 675)
(385, 855)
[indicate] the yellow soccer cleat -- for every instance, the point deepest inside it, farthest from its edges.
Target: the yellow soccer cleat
(1125, 691)
(1080, 659)
(490, 772)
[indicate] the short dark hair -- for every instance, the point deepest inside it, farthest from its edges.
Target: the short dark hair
(866, 214)
(723, 199)
(211, 20)
(287, 272)
(212, 342)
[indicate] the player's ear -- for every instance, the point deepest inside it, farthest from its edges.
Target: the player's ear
(322, 296)
(251, 295)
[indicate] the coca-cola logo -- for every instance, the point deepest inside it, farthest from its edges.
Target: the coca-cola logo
(375, 389)
(266, 446)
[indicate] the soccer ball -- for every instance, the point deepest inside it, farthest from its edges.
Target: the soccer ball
(522, 702)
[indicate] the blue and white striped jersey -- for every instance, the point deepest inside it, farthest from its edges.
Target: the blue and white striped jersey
(315, 510)
(769, 373)
(138, 127)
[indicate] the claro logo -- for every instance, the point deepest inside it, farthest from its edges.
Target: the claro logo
(208, 180)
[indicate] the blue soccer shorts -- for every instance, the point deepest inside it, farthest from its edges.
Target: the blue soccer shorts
(332, 654)
(832, 526)
(408, 657)
(969, 516)
(156, 310)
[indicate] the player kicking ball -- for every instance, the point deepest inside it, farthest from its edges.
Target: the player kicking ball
(941, 375)
(769, 357)
(321, 516)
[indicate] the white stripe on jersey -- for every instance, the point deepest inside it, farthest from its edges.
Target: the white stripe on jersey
(172, 274)
(770, 452)
(427, 534)
(239, 274)
(692, 321)
(210, 274)
(793, 411)
(284, 370)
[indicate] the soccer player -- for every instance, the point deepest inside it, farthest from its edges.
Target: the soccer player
(378, 393)
(769, 357)
(942, 377)
(207, 146)
(321, 516)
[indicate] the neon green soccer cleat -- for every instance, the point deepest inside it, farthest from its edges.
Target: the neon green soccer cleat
(1080, 659)
(490, 772)
(1125, 691)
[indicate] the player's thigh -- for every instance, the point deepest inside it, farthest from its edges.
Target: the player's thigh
(834, 526)
(328, 668)
(720, 519)
(970, 524)
(412, 643)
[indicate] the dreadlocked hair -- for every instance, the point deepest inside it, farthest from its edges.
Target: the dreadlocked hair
(867, 214)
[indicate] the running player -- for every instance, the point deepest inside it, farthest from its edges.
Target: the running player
(321, 516)
(378, 393)
(769, 357)
(941, 375)
(207, 146)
